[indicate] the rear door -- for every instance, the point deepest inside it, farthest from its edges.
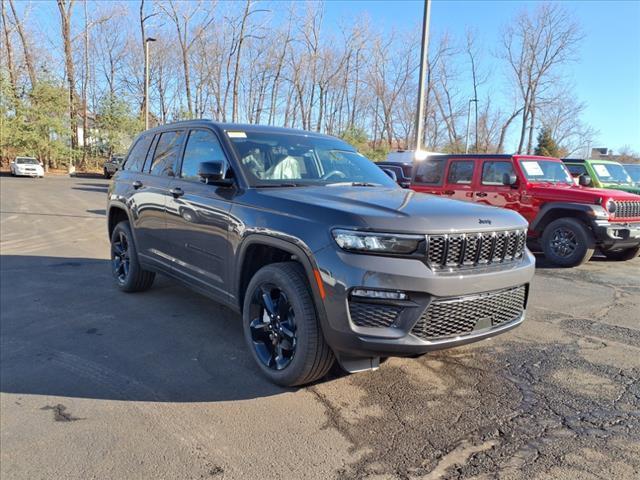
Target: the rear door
(491, 189)
(198, 217)
(159, 170)
(459, 180)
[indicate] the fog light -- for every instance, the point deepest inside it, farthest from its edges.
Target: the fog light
(379, 294)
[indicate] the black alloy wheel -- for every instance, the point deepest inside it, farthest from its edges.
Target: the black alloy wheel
(120, 257)
(567, 242)
(127, 272)
(273, 327)
(563, 242)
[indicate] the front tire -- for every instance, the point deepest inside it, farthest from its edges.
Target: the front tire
(125, 267)
(281, 327)
(623, 255)
(107, 175)
(567, 242)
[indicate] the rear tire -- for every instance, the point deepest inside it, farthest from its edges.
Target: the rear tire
(127, 272)
(623, 255)
(281, 327)
(567, 242)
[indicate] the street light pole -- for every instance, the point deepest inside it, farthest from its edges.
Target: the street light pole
(424, 51)
(146, 80)
(473, 100)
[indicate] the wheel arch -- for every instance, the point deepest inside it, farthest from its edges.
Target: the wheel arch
(553, 211)
(115, 215)
(251, 258)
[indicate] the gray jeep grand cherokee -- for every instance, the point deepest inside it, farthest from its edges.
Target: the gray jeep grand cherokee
(323, 254)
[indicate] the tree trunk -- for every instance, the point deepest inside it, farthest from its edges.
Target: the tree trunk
(236, 70)
(28, 59)
(9, 50)
(65, 25)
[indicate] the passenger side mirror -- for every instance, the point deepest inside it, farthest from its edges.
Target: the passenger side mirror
(509, 179)
(213, 172)
(584, 180)
(391, 174)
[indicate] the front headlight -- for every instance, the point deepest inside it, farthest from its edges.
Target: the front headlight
(611, 206)
(377, 242)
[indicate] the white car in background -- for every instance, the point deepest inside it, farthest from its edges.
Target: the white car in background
(26, 167)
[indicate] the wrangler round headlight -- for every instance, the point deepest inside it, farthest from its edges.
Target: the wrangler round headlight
(377, 242)
(611, 206)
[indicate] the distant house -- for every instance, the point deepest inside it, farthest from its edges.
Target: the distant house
(603, 154)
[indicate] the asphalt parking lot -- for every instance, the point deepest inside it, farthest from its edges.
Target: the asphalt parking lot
(101, 384)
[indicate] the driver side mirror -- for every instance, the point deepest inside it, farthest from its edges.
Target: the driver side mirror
(509, 179)
(584, 180)
(213, 172)
(391, 174)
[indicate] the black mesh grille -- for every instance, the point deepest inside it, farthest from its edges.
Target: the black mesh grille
(456, 316)
(472, 249)
(372, 314)
(627, 209)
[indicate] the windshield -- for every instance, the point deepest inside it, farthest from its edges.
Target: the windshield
(634, 172)
(292, 159)
(30, 161)
(612, 173)
(546, 171)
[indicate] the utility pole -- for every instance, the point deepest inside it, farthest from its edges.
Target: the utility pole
(473, 100)
(424, 52)
(146, 80)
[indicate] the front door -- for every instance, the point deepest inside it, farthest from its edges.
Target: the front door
(198, 217)
(491, 189)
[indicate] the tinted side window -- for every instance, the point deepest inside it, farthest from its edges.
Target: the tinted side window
(430, 171)
(461, 172)
(577, 170)
(166, 154)
(137, 155)
(493, 172)
(202, 146)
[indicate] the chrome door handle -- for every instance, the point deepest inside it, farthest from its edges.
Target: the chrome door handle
(481, 194)
(137, 184)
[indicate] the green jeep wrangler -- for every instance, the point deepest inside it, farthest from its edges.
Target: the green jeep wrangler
(603, 174)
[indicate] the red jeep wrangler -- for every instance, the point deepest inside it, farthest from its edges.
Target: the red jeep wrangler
(568, 221)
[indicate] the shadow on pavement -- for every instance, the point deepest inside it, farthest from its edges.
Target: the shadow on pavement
(96, 188)
(67, 331)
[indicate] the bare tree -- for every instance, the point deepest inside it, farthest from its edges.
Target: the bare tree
(535, 48)
(7, 29)
(26, 48)
(65, 7)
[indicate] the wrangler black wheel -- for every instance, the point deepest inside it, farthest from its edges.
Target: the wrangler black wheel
(567, 242)
(125, 268)
(281, 326)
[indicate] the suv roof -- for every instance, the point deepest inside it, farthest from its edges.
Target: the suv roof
(236, 126)
(585, 160)
(483, 156)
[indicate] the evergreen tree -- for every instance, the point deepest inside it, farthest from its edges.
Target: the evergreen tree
(547, 146)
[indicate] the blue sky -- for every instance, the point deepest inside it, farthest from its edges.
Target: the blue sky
(606, 76)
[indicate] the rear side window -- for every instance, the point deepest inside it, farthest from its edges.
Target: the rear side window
(430, 171)
(202, 146)
(461, 172)
(577, 170)
(138, 153)
(493, 172)
(166, 154)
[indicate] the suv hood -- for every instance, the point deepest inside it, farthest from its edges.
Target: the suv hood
(390, 209)
(576, 193)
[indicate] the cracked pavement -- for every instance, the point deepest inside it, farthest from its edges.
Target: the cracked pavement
(98, 384)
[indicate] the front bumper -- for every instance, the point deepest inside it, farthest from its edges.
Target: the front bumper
(341, 272)
(29, 173)
(621, 234)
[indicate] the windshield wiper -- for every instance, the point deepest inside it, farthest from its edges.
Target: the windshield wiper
(353, 184)
(276, 185)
